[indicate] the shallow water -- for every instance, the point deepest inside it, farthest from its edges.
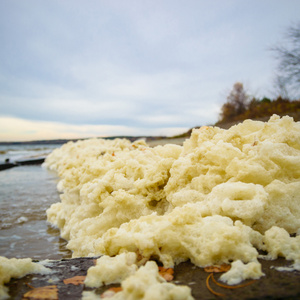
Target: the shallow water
(21, 151)
(25, 194)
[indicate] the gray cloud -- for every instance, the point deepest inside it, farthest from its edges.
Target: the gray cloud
(145, 64)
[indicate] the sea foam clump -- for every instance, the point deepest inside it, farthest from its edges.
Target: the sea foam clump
(16, 268)
(221, 197)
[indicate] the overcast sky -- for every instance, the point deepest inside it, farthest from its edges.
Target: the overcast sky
(71, 68)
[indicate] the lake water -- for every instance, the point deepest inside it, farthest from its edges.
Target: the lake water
(21, 151)
(25, 194)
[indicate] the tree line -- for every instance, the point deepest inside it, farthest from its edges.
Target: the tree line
(240, 106)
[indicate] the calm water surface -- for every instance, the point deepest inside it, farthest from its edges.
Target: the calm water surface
(25, 194)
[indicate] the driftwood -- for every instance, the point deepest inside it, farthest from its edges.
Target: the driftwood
(22, 162)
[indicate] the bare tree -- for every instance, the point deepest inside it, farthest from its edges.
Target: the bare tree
(288, 56)
(238, 98)
(280, 87)
(237, 102)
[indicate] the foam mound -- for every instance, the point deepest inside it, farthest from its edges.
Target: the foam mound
(221, 197)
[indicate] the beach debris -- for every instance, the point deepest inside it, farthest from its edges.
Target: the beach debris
(217, 268)
(76, 280)
(166, 273)
(45, 292)
(209, 287)
(220, 269)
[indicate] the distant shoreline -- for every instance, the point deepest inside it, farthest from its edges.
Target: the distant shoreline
(149, 139)
(63, 141)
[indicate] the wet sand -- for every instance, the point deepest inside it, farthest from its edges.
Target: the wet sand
(275, 285)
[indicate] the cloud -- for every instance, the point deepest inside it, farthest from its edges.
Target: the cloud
(16, 129)
(134, 64)
(24, 130)
(124, 98)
